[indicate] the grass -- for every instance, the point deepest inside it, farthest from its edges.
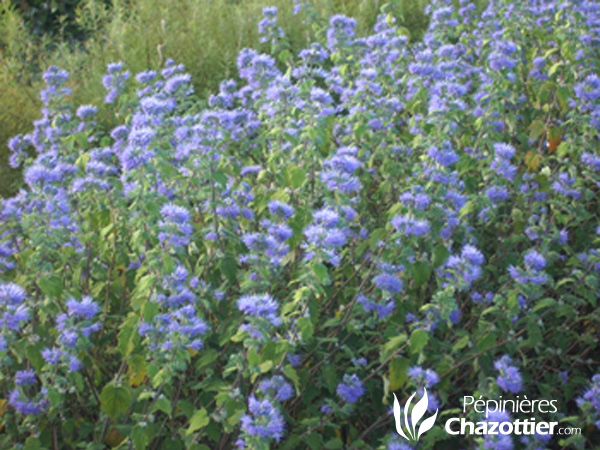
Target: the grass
(205, 35)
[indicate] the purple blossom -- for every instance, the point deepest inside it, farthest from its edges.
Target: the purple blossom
(26, 406)
(11, 294)
(263, 420)
(423, 377)
(509, 379)
(86, 309)
(25, 378)
(85, 112)
(277, 388)
(534, 260)
(351, 389)
(262, 307)
(591, 396)
(410, 227)
(280, 209)
(389, 282)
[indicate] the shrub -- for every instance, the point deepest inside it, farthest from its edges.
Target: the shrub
(271, 269)
(205, 35)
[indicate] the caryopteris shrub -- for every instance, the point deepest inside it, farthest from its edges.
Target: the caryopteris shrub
(205, 35)
(365, 218)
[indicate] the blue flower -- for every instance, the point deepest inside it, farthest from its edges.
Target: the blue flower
(13, 311)
(25, 378)
(472, 255)
(510, 379)
(11, 294)
(280, 209)
(383, 310)
(146, 76)
(277, 388)
(592, 396)
(504, 151)
(52, 355)
(341, 31)
(444, 155)
(498, 441)
(26, 406)
(114, 81)
(86, 309)
(264, 420)
(534, 260)
(497, 193)
(267, 27)
(262, 307)
(423, 377)
(175, 227)
(409, 226)
(177, 82)
(389, 282)
(351, 389)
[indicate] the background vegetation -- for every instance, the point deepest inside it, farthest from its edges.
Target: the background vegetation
(82, 36)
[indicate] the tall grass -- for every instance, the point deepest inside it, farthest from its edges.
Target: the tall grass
(205, 35)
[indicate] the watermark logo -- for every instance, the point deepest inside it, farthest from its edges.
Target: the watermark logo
(417, 413)
(497, 418)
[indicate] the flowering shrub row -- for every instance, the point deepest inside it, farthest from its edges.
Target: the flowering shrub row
(367, 217)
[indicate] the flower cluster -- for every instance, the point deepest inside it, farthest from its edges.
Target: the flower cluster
(264, 422)
(371, 205)
(75, 327)
(24, 397)
(423, 379)
(351, 389)
(591, 397)
(261, 313)
(509, 379)
(533, 272)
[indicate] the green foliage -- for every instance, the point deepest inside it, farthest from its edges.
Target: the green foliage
(205, 35)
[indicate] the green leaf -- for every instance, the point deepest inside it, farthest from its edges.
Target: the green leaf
(534, 334)
(418, 340)
(392, 344)
(292, 375)
(334, 444)
(321, 273)
(142, 291)
(208, 357)
(114, 400)
(139, 437)
(563, 149)
(296, 176)
(285, 55)
(32, 444)
(331, 377)
(398, 372)
(128, 335)
(306, 328)
(163, 404)
(461, 343)
(544, 303)
(422, 273)
(265, 366)
(440, 255)
(555, 67)
(487, 341)
(536, 129)
(199, 420)
(228, 266)
(51, 286)
(219, 177)
(35, 356)
(314, 441)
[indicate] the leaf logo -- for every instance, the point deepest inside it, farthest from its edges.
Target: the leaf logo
(418, 411)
